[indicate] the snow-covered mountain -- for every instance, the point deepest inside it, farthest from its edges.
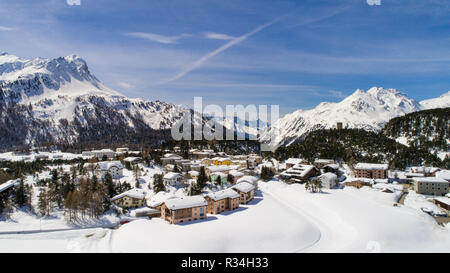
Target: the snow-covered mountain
(366, 110)
(59, 100)
(441, 102)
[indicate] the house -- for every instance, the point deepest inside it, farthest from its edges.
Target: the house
(431, 186)
(236, 175)
(246, 192)
(114, 168)
(184, 209)
(331, 168)
(299, 173)
(156, 201)
(194, 174)
(133, 198)
(222, 168)
(102, 153)
(132, 160)
(426, 171)
(173, 179)
(224, 200)
(253, 180)
(223, 177)
(371, 170)
(443, 202)
(328, 180)
(220, 161)
(320, 163)
(122, 150)
(357, 183)
(170, 159)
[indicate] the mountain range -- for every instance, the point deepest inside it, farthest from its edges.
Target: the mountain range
(60, 101)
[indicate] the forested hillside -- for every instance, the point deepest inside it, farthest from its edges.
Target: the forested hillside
(429, 129)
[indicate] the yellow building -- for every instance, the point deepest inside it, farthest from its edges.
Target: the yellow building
(220, 161)
(133, 198)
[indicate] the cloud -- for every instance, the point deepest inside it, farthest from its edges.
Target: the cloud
(218, 36)
(7, 28)
(125, 85)
(337, 94)
(73, 2)
(157, 37)
(219, 50)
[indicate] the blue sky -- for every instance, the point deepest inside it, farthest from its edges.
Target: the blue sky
(292, 53)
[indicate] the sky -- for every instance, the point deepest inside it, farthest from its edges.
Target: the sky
(291, 53)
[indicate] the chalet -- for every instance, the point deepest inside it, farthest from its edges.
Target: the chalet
(173, 179)
(221, 201)
(184, 209)
(431, 186)
(370, 170)
(291, 162)
(133, 160)
(114, 168)
(194, 174)
(246, 191)
(170, 159)
(299, 173)
(133, 198)
(321, 163)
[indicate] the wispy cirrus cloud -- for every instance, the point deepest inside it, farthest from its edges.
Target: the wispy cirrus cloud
(218, 36)
(3, 28)
(163, 39)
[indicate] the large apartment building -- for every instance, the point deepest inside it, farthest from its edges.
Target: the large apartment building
(224, 200)
(371, 170)
(184, 209)
(431, 186)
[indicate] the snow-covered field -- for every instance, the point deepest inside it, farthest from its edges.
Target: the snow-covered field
(282, 218)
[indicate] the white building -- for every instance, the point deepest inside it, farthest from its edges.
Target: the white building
(173, 179)
(328, 180)
(104, 152)
(114, 168)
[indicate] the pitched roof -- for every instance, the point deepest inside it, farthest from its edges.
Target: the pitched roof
(133, 193)
(219, 195)
(171, 175)
(371, 166)
(244, 187)
(186, 202)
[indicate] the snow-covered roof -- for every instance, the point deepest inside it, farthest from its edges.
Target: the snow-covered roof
(171, 175)
(236, 173)
(444, 174)
(9, 184)
(319, 160)
(131, 159)
(298, 170)
(186, 202)
(194, 173)
(133, 193)
(221, 168)
(430, 180)
(219, 195)
(392, 187)
(159, 198)
(328, 177)
(248, 178)
(106, 165)
(244, 187)
(444, 200)
(371, 166)
(295, 161)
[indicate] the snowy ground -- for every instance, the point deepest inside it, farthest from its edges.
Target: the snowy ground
(283, 218)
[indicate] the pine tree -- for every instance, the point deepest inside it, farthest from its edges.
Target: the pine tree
(158, 183)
